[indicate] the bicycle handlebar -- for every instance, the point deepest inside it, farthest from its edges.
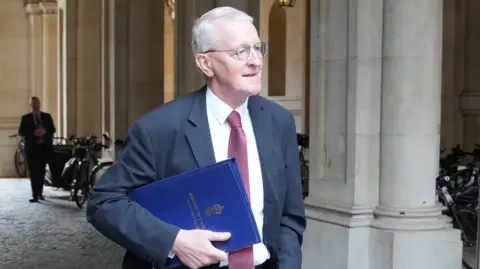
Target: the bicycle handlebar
(94, 140)
(303, 140)
(458, 152)
(119, 142)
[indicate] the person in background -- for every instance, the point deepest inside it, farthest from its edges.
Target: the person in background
(225, 118)
(37, 129)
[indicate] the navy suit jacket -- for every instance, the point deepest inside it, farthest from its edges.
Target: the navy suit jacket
(27, 130)
(175, 138)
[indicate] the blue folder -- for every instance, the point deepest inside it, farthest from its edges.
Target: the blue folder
(212, 197)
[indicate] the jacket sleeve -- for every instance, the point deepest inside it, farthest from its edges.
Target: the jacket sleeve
(22, 129)
(51, 125)
(292, 222)
(120, 219)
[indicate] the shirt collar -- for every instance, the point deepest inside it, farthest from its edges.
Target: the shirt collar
(220, 110)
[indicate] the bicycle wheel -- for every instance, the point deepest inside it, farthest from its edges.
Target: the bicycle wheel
(20, 163)
(304, 174)
(81, 186)
(48, 176)
(466, 265)
(465, 219)
(98, 171)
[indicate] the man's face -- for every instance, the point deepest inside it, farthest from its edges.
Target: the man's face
(228, 71)
(35, 104)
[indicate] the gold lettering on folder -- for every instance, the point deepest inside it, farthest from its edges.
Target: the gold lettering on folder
(195, 212)
(189, 203)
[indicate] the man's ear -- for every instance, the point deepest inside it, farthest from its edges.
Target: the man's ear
(204, 64)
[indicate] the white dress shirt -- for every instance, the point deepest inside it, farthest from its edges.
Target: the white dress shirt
(217, 112)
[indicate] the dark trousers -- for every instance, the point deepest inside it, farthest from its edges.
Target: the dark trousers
(37, 157)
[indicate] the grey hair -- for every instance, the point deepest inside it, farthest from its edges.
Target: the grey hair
(203, 34)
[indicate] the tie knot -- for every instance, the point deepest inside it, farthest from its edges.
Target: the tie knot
(234, 119)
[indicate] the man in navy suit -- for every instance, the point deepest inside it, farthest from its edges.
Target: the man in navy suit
(225, 118)
(37, 128)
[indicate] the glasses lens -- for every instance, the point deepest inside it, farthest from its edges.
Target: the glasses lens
(261, 49)
(243, 52)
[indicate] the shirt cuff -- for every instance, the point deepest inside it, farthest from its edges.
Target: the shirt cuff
(171, 255)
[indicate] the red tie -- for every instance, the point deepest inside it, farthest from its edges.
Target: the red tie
(237, 147)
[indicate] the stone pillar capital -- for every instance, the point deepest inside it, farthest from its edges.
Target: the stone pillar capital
(33, 9)
(61, 4)
(171, 7)
(49, 8)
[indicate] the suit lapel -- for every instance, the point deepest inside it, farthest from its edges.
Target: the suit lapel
(265, 137)
(198, 135)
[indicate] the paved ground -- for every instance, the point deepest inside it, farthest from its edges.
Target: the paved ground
(469, 256)
(53, 234)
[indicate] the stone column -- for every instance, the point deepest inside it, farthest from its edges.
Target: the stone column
(62, 68)
(467, 66)
(135, 59)
(145, 37)
(345, 92)
(118, 72)
(168, 50)
(35, 48)
(70, 66)
(50, 65)
(409, 225)
(89, 68)
(453, 76)
(187, 77)
(105, 65)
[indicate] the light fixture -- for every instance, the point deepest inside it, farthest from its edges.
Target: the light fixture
(286, 3)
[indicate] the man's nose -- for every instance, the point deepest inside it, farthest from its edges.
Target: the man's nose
(254, 59)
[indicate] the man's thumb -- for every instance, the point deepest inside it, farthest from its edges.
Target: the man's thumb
(213, 236)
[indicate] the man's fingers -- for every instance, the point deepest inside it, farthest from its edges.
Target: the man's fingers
(219, 255)
(212, 236)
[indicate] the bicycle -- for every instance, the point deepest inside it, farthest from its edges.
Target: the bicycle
(20, 158)
(303, 143)
(85, 153)
(61, 153)
(101, 166)
(457, 186)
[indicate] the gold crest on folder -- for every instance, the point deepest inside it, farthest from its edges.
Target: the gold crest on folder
(214, 210)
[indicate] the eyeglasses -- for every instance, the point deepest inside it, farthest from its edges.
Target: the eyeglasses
(243, 52)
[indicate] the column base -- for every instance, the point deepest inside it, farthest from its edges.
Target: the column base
(439, 249)
(410, 219)
(336, 240)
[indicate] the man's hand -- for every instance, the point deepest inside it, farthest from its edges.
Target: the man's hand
(195, 250)
(40, 131)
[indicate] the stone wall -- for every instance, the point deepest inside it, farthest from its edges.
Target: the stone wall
(14, 78)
